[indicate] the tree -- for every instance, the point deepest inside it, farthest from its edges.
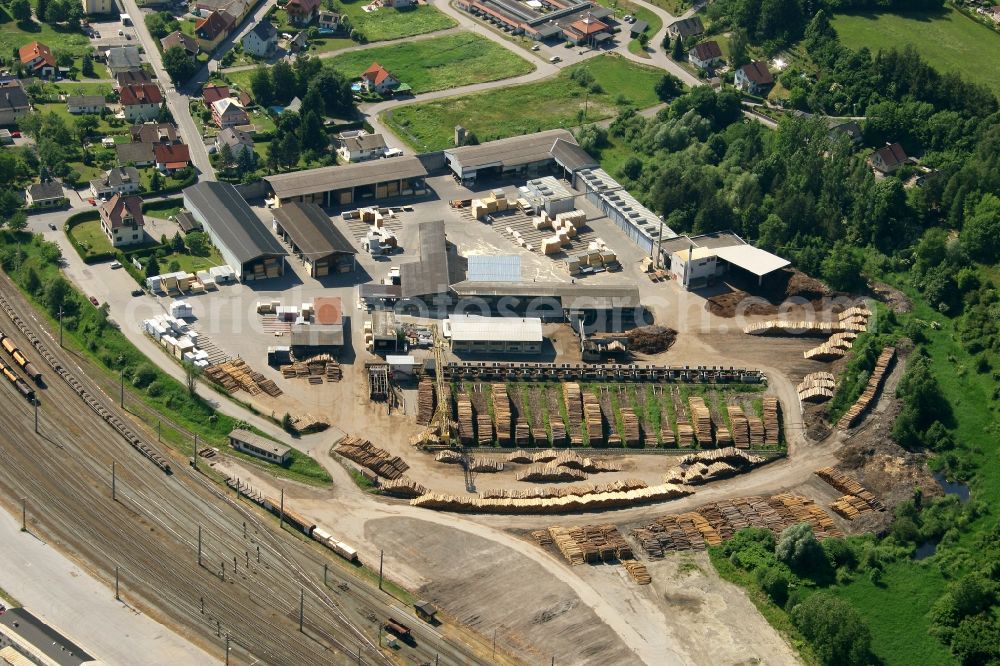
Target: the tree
(246, 162)
(738, 48)
(18, 221)
(155, 181)
(157, 25)
(152, 267)
(225, 156)
(197, 243)
(286, 423)
(842, 267)
(798, 548)
(85, 125)
(57, 293)
(56, 12)
(291, 150)
(178, 64)
(174, 266)
(632, 168)
(678, 51)
(668, 87)
(313, 135)
(20, 10)
(177, 243)
(981, 232)
(335, 89)
(87, 65)
(836, 630)
(32, 283)
(191, 374)
(40, 9)
(261, 87)
(284, 82)
(643, 40)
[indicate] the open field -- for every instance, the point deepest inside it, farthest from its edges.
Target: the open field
(14, 35)
(547, 104)
(948, 40)
(387, 23)
(435, 64)
(91, 237)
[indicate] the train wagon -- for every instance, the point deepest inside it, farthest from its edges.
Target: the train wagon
(20, 358)
(397, 628)
(22, 386)
(344, 551)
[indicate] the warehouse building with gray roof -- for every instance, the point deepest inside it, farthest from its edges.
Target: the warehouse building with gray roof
(350, 184)
(314, 238)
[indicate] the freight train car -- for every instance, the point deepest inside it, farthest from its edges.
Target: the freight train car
(339, 547)
(20, 385)
(20, 358)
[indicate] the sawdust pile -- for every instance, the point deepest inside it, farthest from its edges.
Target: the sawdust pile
(651, 339)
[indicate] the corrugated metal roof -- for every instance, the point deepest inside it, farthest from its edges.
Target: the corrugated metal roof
(248, 437)
(757, 261)
(466, 328)
(221, 209)
(312, 230)
(514, 151)
(437, 268)
(325, 179)
(571, 296)
(571, 156)
(492, 268)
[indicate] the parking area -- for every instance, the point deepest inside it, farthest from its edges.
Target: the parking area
(105, 34)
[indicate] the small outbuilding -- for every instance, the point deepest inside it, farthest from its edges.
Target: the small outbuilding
(426, 611)
(259, 447)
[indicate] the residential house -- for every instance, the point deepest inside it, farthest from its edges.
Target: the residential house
(138, 154)
(754, 78)
(170, 157)
(302, 12)
(91, 7)
(329, 20)
(120, 180)
(994, 13)
(212, 93)
(244, 98)
(689, 27)
(123, 59)
(705, 55)
(213, 29)
(154, 133)
(84, 103)
(141, 102)
(122, 221)
(44, 195)
(850, 129)
(38, 60)
(299, 42)
(237, 140)
(178, 38)
(237, 9)
(888, 158)
(228, 113)
(378, 79)
(131, 78)
(262, 40)
(361, 147)
(14, 102)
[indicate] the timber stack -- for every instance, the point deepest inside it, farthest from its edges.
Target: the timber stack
(702, 421)
(425, 401)
(552, 505)
(522, 434)
(402, 487)
(630, 424)
(771, 421)
(368, 455)
(850, 486)
(484, 428)
(550, 473)
(573, 398)
(501, 414)
(593, 419)
(465, 429)
(816, 387)
(739, 426)
(622, 485)
(637, 571)
(856, 410)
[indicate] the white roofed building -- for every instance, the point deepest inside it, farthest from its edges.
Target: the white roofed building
(475, 334)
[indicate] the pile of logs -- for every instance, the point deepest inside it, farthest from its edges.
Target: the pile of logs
(501, 413)
(487, 465)
(425, 401)
(705, 466)
(236, 375)
(637, 571)
(573, 460)
(520, 456)
(771, 422)
(552, 505)
(667, 437)
(449, 457)
(739, 426)
(314, 369)
(484, 428)
(550, 473)
(465, 430)
(816, 387)
(592, 417)
(567, 545)
(702, 420)
(850, 486)
(850, 506)
(756, 430)
(578, 489)
(542, 537)
(574, 410)
(558, 431)
(403, 487)
(836, 347)
(522, 434)
(590, 543)
(856, 410)
(368, 455)
(630, 425)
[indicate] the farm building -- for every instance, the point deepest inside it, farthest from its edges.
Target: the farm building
(242, 239)
(314, 238)
(351, 183)
(528, 156)
(475, 334)
(257, 446)
(322, 325)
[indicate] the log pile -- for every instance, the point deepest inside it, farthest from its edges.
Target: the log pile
(850, 486)
(539, 436)
(520, 456)
(850, 506)
(836, 347)
(484, 428)
(756, 430)
(425, 401)
(667, 437)
(567, 545)
(368, 455)
(550, 473)
(705, 466)
(630, 424)
(788, 327)
(574, 411)
(558, 431)
(637, 571)
(702, 420)
(236, 375)
(449, 457)
(740, 427)
(816, 387)
(465, 430)
(771, 420)
(573, 460)
(552, 505)
(856, 410)
(522, 434)
(593, 419)
(501, 413)
(314, 369)
(621, 485)
(685, 433)
(487, 465)
(403, 487)
(542, 538)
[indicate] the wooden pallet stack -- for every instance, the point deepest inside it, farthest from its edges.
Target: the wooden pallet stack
(502, 414)
(484, 428)
(630, 424)
(637, 571)
(740, 426)
(466, 432)
(856, 410)
(425, 401)
(850, 486)
(702, 419)
(771, 420)
(593, 419)
(374, 458)
(574, 411)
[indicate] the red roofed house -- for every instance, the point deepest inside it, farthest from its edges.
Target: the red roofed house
(228, 113)
(888, 158)
(141, 102)
(378, 79)
(211, 94)
(121, 220)
(213, 29)
(754, 78)
(302, 12)
(705, 55)
(37, 58)
(587, 30)
(171, 156)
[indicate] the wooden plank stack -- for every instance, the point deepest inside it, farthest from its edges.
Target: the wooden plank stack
(850, 486)
(465, 430)
(425, 401)
(484, 428)
(637, 571)
(368, 455)
(502, 413)
(630, 423)
(856, 410)
(667, 437)
(449, 457)
(771, 420)
(522, 434)
(574, 410)
(593, 419)
(740, 426)
(702, 420)
(542, 538)
(314, 369)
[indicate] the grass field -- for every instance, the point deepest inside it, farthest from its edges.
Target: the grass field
(387, 23)
(547, 104)
(91, 237)
(14, 35)
(949, 40)
(437, 64)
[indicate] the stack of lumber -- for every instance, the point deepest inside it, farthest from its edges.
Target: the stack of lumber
(667, 437)
(816, 387)
(553, 505)
(592, 417)
(630, 424)
(740, 426)
(550, 473)
(637, 571)
(487, 465)
(600, 543)
(835, 347)
(542, 537)
(522, 434)
(316, 367)
(558, 431)
(771, 421)
(756, 430)
(236, 375)
(856, 410)
(403, 487)
(425, 401)
(621, 485)
(574, 411)
(367, 455)
(449, 457)
(465, 430)
(702, 420)
(567, 545)
(501, 413)
(484, 428)
(786, 327)
(856, 316)
(573, 460)
(333, 372)
(850, 506)
(270, 388)
(520, 456)
(850, 486)
(795, 509)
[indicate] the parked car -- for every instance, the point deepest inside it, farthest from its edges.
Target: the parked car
(52, 226)
(137, 292)
(16, 134)
(92, 201)
(535, 47)
(115, 265)
(555, 59)
(94, 302)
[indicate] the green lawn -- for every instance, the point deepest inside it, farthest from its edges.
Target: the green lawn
(328, 43)
(162, 209)
(554, 102)
(191, 263)
(14, 35)
(948, 40)
(91, 237)
(435, 64)
(388, 23)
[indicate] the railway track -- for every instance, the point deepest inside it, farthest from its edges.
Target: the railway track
(151, 532)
